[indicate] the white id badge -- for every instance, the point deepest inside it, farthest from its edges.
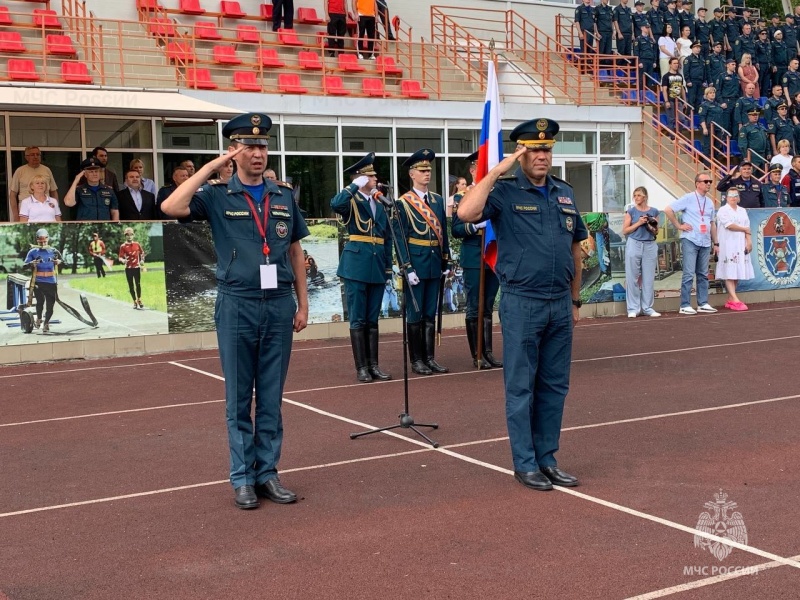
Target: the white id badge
(269, 277)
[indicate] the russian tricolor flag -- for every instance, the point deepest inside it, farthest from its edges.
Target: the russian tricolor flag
(490, 152)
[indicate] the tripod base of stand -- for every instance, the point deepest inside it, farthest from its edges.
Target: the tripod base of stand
(406, 422)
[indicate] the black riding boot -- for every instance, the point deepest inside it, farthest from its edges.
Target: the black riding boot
(358, 341)
(372, 353)
(416, 347)
(430, 348)
(472, 340)
(487, 343)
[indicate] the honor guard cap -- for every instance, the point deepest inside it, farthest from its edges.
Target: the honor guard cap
(754, 111)
(363, 167)
(250, 128)
(420, 160)
(91, 163)
(473, 157)
(775, 167)
(537, 133)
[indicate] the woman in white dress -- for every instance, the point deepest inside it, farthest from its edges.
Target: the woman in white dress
(684, 44)
(666, 49)
(735, 245)
(39, 207)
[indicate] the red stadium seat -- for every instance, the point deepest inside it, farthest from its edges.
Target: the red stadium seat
(206, 30)
(388, 66)
(308, 16)
(231, 10)
(246, 81)
(289, 83)
(412, 89)
(11, 41)
(374, 87)
(191, 7)
(349, 63)
(60, 45)
(5, 18)
(226, 55)
(334, 86)
(46, 18)
(200, 79)
(161, 26)
(265, 10)
(310, 61)
(148, 5)
(177, 51)
(288, 37)
(267, 57)
(248, 34)
(75, 72)
(22, 69)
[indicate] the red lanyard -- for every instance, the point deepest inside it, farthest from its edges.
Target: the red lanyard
(702, 210)
(262, 227)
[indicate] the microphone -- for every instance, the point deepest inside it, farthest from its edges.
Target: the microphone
(385, 200)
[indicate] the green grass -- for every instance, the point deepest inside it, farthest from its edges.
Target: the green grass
(324, 231)
(114, 285)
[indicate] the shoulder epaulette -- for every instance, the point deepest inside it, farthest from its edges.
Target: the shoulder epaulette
(284, 184)
(215, 182)
(567, 183)
(508, 176)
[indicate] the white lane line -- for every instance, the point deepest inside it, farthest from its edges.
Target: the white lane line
(29, 511)
(618, 320)
(699, 583)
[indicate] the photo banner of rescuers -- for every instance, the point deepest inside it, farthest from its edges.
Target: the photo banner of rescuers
(132, 256)
(256, 228)
(44, 259)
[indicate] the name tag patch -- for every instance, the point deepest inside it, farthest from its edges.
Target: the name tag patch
(568, 210)
(525, 208)
(280, 213)
(237, 214)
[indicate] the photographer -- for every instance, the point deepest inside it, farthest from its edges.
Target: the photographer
(641, 255)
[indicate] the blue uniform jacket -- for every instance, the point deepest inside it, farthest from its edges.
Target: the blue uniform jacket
(363, 260)
(94, 206)
(470, 257)
(534, 235)
(236, 238)
(427, 257)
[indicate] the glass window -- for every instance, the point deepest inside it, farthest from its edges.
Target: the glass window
(576, 142)
(59, 132)
(458, 167)
(509, 147)
(366, 139)
(169, 161)
(436, 185)
(462, 141)
(315, 182)
(118, 133)
(2, 132)
(310, 138)
(612, 142)
(187, 135)
(616, 193)
(411, 140)
(3, 191)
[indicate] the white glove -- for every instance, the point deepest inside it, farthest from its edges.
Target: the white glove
(446, 272)
(361, 181)
(481, 225)
(412, 278)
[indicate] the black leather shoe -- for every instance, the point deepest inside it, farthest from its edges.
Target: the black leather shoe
(363, 375)
(420, 368)
(436, 367)
(376, 373)
(534, 480)
(272, 489)
(245, 497)
(558, 477)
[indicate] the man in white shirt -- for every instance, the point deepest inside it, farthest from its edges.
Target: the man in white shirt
(22, 178)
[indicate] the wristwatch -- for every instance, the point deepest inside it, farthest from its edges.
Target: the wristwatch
(577, 303)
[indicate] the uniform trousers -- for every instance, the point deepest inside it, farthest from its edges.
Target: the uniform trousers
(255, 342)
(641, 259)
(472, 284)
(426, 293)
(537, 349)
(363, 302)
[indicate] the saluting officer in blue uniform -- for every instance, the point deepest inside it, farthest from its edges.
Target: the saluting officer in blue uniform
(539, 230)
(95, 201)
(256, 227)
(424, 222)
(470, 260)
(366, 263)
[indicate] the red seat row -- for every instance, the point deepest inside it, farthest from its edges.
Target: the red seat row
(41, 18)
(59, 45)
(207, 31)
(22, 69)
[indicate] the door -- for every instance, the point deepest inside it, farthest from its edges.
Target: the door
(616, 185)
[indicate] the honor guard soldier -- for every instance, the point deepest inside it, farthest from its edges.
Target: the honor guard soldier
(366, 263)
(694, 70)
(623, 27)
(639, 18)
(773, 193)
(728, 91)
(754, 141)
(763, 59)
(424, 223)
(780, 128)
(715, 64)
(584, 21)
(470, 259)
(742, 179)
(604, 18)
(656, 19)
(712, 118)
(646, 51)
(94, 200)
(539, 230)
(256, 228)
(743, 106)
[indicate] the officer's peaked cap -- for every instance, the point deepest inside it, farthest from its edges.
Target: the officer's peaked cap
(536, 133)
(250, 128)
(91, 163)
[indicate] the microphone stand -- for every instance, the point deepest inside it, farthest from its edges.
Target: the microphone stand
(406, 420)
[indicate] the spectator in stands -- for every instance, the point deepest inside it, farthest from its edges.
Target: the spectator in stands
(744, 44)
(780, 57)
(673, 89)
(188, 164)
(794, 115)
(459, 187)
(741, 178)
(773, 193)
(39, 206)
(743, 107)
(702, 32)
(686, 18)
(715, 64)
(790, 34)
(604, 22)
(336, 14)
(179, 175)
(587, 30)
(698, 239)
(386, 21)
(147, 184)
(639, 18)
(23, 176)
(747, 73)
(97, 250)
(712, 118)
(791, 181)
(771, 105)
(775, 25)
(673, 19)
(694, 70)
(656, 18)
(783, 157)
(282, 14)
(735, 245)
(780, 128)
(728, 90)
(366, 11)
(641, 255)
(667, 49)
(623, 28)
(94, 200)
(684, 45)
(107, 176)
(646, 52)
(270, 175)
(763, 61)
(791, 81)
(732, 33)
(754, 141)
(716, 28)
(226, 172)
(745, 17)
(135, 204)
